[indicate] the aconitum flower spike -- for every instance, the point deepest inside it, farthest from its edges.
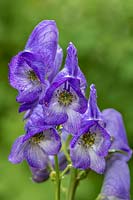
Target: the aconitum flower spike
(90, 146)
(65, 94)
(31, 70)
(35, 147)
(116, 183)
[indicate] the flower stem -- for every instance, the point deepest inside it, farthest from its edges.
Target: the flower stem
(65, 148)
(73, 184)
(57, 193)
(68, 167)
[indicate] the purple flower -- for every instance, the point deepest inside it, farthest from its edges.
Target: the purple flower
(116, 183)
(39, 175)
(31, 70)
(35, 147)
(62, 161)
(39, 118)
(89, 147)
(66, 93)
(115, 127)
(117, 178)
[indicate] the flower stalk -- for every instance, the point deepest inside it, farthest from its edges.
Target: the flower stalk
(73, 184)
(58, 181)
(68, 167)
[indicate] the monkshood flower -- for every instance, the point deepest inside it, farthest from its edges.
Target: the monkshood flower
(40, 118)
(115, 127)
(41, 175)
(116, 185)
(117, 179)
(90, 146)
(65, 95)
(31, 70)
(35, 147)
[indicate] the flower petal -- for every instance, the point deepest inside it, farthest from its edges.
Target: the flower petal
(93, 111)
(26, 107)
(97, 163)
(82, 104)
(38, 175)
(116, 129)
(57, 63)
(29, 96)
(102, 141)
(51, 143)
(79, 156)
(18, 74)
(72, 125)
(54, 115)
(17, 151)
(72, 60)
(41, 118)
(43, 40)
(72, 67)
(35, 156)
(36, 63)
(36, 118)
(33, 130)
(117, 180)
(62, 161)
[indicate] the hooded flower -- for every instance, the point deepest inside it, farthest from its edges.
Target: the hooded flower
(115, 127)
(116, 185)
(35, 147)
(39, 175)
(89, 147)
(39, 118)
(66, 93)
(32, 69)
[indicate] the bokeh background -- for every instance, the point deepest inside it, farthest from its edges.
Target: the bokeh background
(102, 31)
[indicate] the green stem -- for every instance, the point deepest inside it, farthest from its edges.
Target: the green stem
(57, 193)
(65, 148)
(73, 184)
(68, 167)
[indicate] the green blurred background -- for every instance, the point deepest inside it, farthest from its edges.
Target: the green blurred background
(102, 31)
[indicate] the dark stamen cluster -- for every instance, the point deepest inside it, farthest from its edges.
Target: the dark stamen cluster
(88, 139)
(37, 138)
(32, 76)
(65, 97)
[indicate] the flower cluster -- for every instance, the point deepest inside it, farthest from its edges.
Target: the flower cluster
(59, 120)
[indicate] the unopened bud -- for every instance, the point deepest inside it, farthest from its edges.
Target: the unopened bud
(53, 176)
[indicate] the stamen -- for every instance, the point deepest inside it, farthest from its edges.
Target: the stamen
(65, 97)
(32, 76)
(37, 138)
(88, 139)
